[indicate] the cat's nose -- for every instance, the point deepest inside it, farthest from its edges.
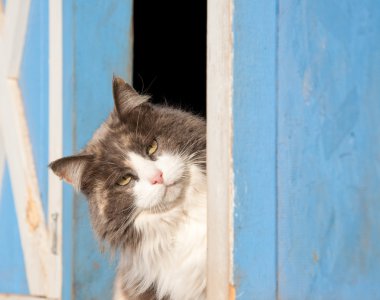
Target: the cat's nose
(157, 178)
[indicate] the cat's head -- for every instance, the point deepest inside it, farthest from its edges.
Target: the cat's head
(138, 161)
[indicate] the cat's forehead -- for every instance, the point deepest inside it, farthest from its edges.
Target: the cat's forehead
(120, 138)
(174, 130)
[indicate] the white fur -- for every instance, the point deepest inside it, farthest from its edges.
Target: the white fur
(173, 251)
(148, 195)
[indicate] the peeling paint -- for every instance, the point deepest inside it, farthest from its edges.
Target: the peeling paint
(33, 217)
(231, 292)
(315, 257)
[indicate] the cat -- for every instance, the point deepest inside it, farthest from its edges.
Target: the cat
(144, 175)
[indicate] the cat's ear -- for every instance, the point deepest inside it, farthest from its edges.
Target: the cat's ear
(70, 168)
(126, 98)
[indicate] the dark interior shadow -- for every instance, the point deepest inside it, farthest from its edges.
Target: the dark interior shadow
(170, 52)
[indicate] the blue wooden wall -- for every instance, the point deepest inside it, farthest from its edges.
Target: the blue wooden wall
(306, 117)
(306, 149)
(97, 43)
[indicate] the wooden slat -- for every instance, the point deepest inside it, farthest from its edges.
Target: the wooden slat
(25, 187)
(1, 16)
(2, 162)
(219, 150)
(55, 145)
(16, 24)
(20, 297)
(254, 148)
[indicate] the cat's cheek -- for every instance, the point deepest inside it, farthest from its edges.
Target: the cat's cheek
(147, 195)
(172, 166)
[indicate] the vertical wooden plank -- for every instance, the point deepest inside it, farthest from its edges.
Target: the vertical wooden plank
(329, 145)
(97, 43)
(55, 145)
(254, 148)
(219, 149)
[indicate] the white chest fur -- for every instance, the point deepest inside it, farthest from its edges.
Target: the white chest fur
(172, 255)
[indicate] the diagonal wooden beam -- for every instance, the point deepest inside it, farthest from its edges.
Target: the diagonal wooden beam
(1, 16)
(28, 205)
(15, 27)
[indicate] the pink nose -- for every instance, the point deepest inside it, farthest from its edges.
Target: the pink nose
(157, 178)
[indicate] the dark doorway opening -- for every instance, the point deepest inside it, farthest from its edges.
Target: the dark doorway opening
(170, 52)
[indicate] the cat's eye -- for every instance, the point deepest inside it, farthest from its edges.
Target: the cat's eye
(124, 180)
(152, 148)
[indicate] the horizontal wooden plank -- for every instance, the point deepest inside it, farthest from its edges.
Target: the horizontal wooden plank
(20, 297)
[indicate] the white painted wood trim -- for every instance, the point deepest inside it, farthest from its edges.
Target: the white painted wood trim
(2, 162)
(1, 16)
(19, 297)
(16, 24)
(219, 150)
(24, 186)
(55, 192)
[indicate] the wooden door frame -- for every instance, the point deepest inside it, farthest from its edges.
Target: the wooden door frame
(219, 150)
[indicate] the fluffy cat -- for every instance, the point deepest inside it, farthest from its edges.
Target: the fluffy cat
(144, 175)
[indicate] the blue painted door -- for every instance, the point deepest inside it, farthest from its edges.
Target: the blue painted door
(57, 59)
(306, 149)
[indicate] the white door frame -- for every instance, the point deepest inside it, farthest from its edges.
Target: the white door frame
(219, 150)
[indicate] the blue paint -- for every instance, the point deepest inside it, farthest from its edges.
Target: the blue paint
(306, 117)
(12, 268)
(68, 131)
(34, 83)
(328, 149)
(254, 148)
(97, 43)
